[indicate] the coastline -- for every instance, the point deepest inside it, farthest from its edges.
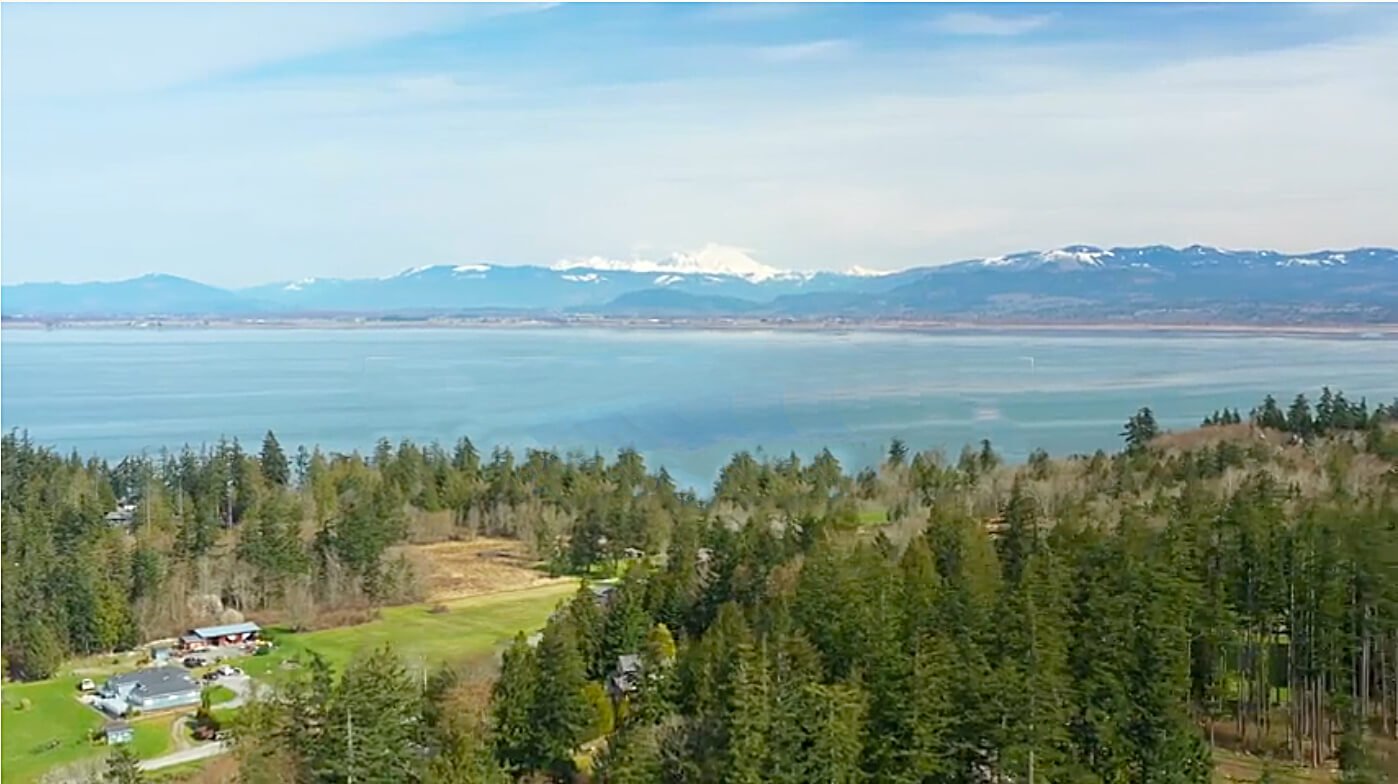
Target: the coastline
(1372, 331)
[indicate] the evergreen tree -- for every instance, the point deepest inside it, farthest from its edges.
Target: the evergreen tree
(897, 452)
(560, 713)
(833, 732)
(589, 625)
(273, 462)
(463, 758)
(1140, 429)
(512, 707)
(632, 757)
(122, 768)
(624, 630)
(375, 714)
(1298, 417)
(747, 721)
(41, 652)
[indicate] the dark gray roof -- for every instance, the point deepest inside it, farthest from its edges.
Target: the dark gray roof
(157, 681)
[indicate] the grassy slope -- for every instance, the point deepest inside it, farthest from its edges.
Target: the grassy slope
(469, 626)
(56, 715)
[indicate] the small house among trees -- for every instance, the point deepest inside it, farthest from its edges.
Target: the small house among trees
(626, 678)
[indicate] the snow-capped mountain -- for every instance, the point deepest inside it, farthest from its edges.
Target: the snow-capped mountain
(1164, 257)
(712, 260)
(1153, 282)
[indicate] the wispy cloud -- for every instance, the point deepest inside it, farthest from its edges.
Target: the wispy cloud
(747, 12)
(806, 50)
(535, 138)
(80, 50)
(970, 23)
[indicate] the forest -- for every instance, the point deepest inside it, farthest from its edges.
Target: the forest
(1092, 618)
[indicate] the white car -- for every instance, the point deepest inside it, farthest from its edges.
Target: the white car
(86, 685)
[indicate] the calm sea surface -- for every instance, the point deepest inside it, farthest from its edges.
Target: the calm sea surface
(686, 399)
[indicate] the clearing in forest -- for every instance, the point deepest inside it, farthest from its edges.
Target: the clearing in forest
(457, 570)
(426, 633)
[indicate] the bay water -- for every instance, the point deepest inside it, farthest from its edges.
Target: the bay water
(686, 399)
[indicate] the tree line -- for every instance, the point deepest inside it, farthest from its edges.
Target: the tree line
(1104, 618)
(1100, 618)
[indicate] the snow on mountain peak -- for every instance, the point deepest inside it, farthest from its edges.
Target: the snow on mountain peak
(1085, 255)
(471, 268)
(864, 272)
(1067, 257)
(712, 259)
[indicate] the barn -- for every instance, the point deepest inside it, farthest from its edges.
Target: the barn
(214, 636)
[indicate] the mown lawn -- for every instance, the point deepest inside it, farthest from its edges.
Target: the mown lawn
(55, 715)
(220, 694)
(468, 627)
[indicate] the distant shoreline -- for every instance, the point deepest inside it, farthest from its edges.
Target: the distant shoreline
(699, 324)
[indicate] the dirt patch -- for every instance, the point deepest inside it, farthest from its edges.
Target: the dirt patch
(1241, 434)
(455, 570)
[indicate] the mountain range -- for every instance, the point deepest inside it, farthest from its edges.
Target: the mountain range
(1155, 283)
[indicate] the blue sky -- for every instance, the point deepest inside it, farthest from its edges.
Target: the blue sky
(239, 144)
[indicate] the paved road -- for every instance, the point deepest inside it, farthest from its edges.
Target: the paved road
(200, 752)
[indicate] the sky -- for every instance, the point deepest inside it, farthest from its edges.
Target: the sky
(243, 144)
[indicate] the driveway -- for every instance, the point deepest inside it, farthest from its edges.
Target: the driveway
(201, 752)
(243, 688)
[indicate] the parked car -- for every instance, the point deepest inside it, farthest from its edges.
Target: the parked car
(210, 677)
(227, 671)
(86, 685)
(195, 661)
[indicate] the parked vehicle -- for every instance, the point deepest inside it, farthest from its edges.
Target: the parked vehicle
(195, 661)
(210, 677)
(86, 685)
(227, 671)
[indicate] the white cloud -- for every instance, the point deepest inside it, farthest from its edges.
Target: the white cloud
(900, 158)
(806, 50)
(971, 23)
(747, 12)
(95, 49)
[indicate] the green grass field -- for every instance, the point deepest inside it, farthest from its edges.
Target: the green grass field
(55, 715)
(220, 694)
(469, 627)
